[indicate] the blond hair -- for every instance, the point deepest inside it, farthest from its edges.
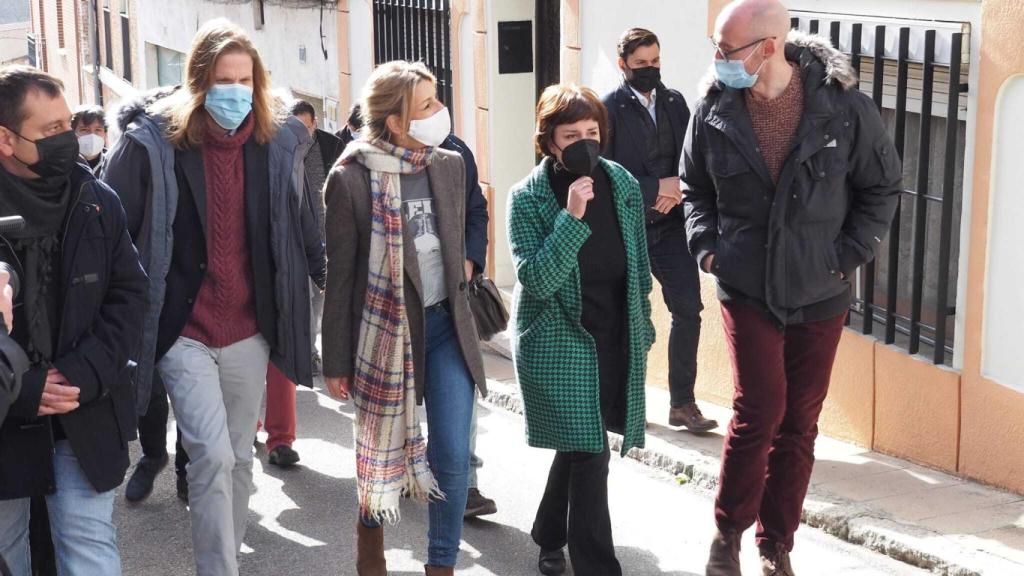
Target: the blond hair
(389, 92)
(186, 110)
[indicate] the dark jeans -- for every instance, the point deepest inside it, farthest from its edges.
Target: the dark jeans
(153, 427)
(677, 273)
(574, 511)
(781, 380)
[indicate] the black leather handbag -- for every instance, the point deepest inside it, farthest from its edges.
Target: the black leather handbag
(488, 308)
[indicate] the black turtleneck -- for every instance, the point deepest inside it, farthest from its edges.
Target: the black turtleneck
(602, 261)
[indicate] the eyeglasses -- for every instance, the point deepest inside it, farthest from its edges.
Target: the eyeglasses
(726, 53)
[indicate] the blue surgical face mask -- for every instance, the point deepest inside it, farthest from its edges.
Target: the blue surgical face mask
(733, 73)
(229, 104)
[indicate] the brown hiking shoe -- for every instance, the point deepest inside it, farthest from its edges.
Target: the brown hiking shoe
(724, 559)
(775, 560)
(690, 417)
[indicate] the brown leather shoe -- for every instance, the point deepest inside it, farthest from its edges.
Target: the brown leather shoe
(775, 560)
(440, 570)
(724, 559)
(370, 551)
(690, 417)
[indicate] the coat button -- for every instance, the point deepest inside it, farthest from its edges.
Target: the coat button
(826, 137)
(794, 196)
(821, 174)
(202, 265)
(846, 124)
(189, 301)
(462, 286)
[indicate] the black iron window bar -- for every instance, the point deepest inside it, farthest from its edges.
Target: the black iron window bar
(416, 30)
(911, 327)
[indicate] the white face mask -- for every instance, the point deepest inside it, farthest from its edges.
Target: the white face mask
(432, 131)
(90, 145)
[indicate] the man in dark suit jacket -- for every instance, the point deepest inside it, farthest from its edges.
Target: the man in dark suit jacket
(79, 318)
(648, 126)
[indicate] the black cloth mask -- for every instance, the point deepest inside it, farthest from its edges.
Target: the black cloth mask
(57, 154)
(582, 156)
(644, 79)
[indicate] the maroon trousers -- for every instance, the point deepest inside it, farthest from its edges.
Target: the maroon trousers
(781, 380)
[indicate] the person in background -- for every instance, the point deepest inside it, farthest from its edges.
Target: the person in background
(231, 291)
(90, 125)
(581, 321)
(477, 219)
(79, 320)
(791, 183)
(415, 340)
(350, 131)
(319, 155)
(648, 123)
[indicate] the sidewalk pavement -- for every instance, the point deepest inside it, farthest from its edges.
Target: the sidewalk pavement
(925, 518)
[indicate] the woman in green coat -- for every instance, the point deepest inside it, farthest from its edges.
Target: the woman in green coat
(582, 322)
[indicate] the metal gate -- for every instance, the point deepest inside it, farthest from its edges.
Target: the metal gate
(895, 301)
(416, 30)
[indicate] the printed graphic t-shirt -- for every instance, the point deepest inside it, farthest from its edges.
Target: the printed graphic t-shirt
(418, 209)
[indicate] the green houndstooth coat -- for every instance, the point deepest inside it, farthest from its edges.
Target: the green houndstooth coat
(555, 357)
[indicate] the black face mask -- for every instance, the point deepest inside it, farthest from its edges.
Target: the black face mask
(644, 79)
(57, 154)
(581, 157)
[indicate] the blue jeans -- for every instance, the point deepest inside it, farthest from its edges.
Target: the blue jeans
(677, 273)
(450, 394)
(84, 536)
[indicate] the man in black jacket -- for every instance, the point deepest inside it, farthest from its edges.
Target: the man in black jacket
(791, 183)
(648, 125)
(78, 317)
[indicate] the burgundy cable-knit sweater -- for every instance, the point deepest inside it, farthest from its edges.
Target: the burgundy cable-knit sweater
(776, 122)
(225, 309)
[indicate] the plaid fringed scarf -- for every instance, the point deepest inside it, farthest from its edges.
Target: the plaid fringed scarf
(390, 449)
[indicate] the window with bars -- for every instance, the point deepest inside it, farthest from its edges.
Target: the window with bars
(108, 40)
(916, 73)
(126, 47)
(416, 30)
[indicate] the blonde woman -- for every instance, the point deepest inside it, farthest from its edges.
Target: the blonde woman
(208, 179)
(397, 326)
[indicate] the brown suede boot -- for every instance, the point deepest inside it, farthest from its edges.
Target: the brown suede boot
(725, 555)
(370, 551)
(440, 570)
(775, 560)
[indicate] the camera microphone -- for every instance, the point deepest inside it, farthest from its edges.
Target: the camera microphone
(10, 224)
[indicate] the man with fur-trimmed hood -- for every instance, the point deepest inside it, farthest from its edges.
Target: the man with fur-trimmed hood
(790, 184)
(211, 181)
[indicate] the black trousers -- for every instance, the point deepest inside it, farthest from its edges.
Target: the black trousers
(153, 427)
(574, 511)
(677, 273)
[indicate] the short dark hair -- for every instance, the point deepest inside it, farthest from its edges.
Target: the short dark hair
(303, 107)
(635, 38)
(88, 115)
(567, 104)
(355, 117)
(15, 83)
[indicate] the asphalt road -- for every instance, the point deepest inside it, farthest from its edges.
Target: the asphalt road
(302, 520)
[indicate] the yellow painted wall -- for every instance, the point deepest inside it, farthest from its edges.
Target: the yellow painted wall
(992, 419)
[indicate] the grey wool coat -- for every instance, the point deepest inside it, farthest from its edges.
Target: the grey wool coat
(348, 229)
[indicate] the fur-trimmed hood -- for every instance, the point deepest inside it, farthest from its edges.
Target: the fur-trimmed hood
(837, 65)
(128, 109)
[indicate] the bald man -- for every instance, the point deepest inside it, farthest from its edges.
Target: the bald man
(790, 184)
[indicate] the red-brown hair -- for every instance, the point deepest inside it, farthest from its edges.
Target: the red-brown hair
(562, 104)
